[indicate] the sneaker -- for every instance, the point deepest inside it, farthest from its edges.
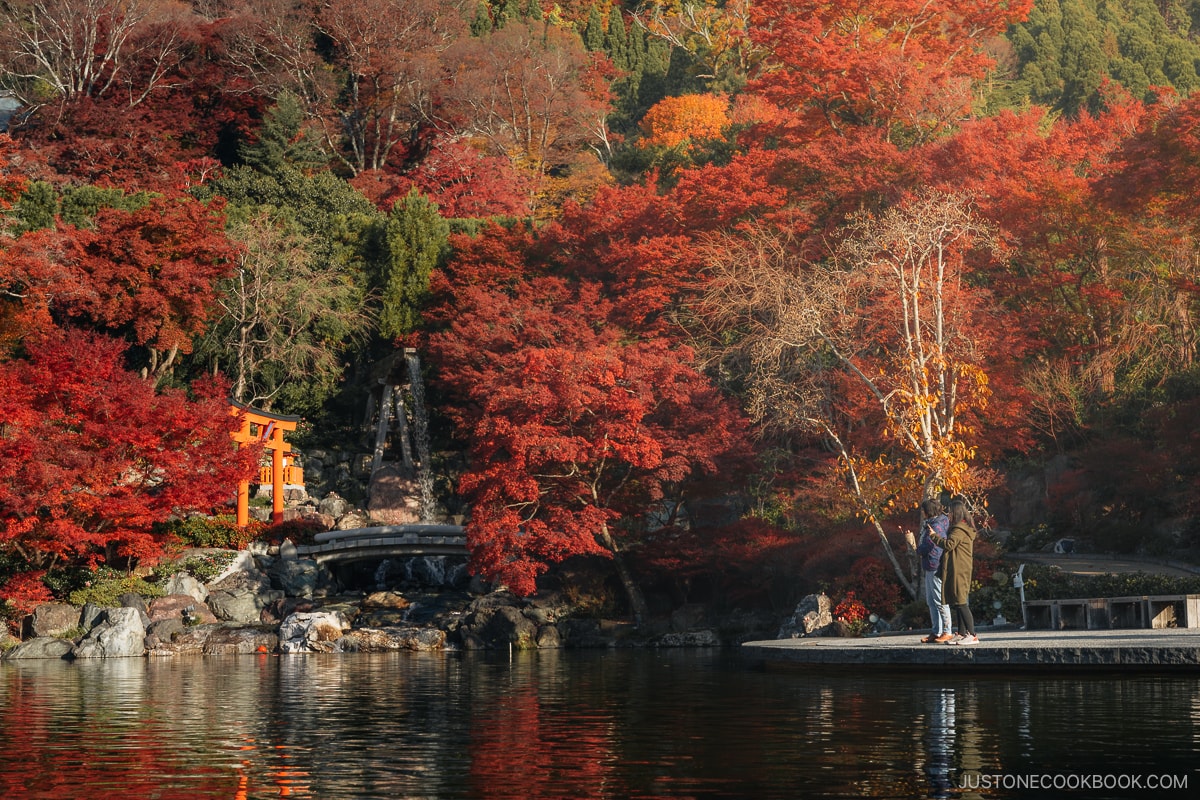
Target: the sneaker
(969, 639)
(955, 639)
(945, 637)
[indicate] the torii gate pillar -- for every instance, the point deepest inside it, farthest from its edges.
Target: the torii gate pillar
(268, 428)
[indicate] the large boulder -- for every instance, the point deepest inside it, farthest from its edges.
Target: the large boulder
(242, 596)
(395, 496)
(333, 506)
(187, 640)
(509, 625)
(298, 578)
(312, 632)
(183, 607)
(381, 640)
(120, 634)
(352, 520)
(41, 647)
(813, 617)
(224, 640)
(53, 619)
(163, 630)
(186, 583)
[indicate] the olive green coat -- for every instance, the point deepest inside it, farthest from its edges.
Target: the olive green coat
(957, 564)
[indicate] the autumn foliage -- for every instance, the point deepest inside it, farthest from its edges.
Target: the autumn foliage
(93, 456)
(675, 121)
(909, 240)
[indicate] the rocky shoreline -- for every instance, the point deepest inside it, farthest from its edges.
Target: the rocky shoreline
(268, 601)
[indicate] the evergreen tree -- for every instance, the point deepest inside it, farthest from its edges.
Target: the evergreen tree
(481, 23)
(282, 140)
(616, 41)
(593, 30)
(507, 11)
(532, 11)
(414, 242)
(1067, 48)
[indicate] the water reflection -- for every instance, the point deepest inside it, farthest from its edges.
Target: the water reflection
(609, 724)
(939, 741)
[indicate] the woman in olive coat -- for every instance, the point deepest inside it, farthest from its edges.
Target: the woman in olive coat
(957, 566)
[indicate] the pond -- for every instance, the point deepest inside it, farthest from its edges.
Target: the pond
(627, 723)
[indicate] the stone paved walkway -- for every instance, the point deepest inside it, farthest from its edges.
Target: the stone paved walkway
(1141, 649)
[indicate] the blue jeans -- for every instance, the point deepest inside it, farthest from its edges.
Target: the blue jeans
(939, 612)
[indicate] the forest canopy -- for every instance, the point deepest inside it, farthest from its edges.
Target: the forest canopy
(806, 262)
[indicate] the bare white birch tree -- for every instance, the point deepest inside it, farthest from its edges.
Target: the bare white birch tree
(872, 350)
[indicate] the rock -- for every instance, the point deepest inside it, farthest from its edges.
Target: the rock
(393, 600)
(242, 596)
(583, 633)
(311, 632)
(53, 619)
(185, 583)
(548, 637)
(509, 625)
(163, 630)
(121, 634)
(333, 506)
(277, 612)
(224, 640)
(188, 641)
(395, 496)
(813, 614)
(351, 520)
(548, 608)
(380, 640)
(241, 561)
(295, 578)
(183, 607)
(700, 638)
(41, 647)
(90, 616)
(134, 600)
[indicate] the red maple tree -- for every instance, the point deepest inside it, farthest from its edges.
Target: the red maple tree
(577, 427)
(93, 455)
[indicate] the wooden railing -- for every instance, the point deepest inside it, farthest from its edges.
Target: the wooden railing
(292, 476)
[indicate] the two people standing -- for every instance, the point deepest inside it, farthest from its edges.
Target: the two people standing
(947, 551)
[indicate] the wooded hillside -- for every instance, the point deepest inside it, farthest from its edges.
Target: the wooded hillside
(803, 261)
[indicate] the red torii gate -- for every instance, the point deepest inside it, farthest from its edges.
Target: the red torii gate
(268, 428)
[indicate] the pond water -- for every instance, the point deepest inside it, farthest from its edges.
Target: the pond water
(580, 724)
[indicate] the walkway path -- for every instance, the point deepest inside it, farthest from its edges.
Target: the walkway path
(1001, 649)
(1098, 564)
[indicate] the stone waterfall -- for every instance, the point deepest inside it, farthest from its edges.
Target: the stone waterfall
(421, 436)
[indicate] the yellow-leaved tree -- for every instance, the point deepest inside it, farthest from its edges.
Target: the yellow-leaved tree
(876, 350)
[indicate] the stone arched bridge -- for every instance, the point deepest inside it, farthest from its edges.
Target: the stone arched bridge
(386, 541)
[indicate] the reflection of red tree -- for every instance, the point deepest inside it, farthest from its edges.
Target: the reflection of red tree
(52, 749)
(522, 748)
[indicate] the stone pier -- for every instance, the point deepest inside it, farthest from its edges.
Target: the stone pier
(1145, 650)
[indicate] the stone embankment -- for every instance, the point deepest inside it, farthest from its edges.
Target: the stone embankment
(265, 603)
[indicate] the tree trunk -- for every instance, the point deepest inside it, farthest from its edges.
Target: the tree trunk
(891, 554)
(637, 602)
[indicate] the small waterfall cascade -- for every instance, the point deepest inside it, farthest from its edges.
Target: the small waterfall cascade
(421, 435)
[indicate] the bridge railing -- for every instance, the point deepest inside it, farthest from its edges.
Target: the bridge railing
(385, 539)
